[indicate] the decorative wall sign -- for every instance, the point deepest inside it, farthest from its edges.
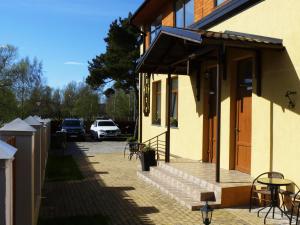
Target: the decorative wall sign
(147, 94)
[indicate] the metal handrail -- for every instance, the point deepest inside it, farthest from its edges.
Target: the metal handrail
(157, 144)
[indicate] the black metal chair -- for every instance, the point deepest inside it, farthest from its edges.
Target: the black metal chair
(134, 149)
(263, 190)
(295, 204)
(291, 192)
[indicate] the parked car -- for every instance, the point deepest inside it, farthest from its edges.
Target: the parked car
(74, 128)
(105, 128)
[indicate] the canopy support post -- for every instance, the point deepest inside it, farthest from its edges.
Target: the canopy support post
(221, 71)
(141, 109)
(169, 90)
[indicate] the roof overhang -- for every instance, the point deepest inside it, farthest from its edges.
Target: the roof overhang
(147, 12)
(173, 47)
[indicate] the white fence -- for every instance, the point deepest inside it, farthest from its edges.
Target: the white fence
(22, 169)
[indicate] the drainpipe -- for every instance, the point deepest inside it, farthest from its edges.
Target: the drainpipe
(140, 85)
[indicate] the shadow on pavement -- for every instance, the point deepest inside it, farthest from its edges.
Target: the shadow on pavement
(92, 196)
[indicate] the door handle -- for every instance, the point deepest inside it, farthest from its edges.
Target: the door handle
(237, 130)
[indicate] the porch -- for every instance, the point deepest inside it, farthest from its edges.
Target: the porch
(184, 180)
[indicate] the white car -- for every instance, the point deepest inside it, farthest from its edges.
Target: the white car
(101, 129)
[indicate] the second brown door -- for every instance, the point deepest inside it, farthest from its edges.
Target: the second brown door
(243, 120)
(212, 116)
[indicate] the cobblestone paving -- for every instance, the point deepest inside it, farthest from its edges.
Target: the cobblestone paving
(112, 188)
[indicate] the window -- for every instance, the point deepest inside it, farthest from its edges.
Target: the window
(71, 123)
(184, 13)
(219, 2)
(156, 113)
(154, 28)
(106, 124)
(174, 102)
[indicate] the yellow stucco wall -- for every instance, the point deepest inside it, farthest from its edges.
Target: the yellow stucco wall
(186, 140)
(275, 127)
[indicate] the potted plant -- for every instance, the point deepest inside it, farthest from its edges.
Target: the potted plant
(147, 157)
(174, 122)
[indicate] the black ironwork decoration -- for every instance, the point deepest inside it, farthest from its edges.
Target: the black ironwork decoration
(206, 210)
(288, 95)
(147, 94)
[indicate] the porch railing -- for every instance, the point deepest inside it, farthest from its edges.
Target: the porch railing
(159, 143)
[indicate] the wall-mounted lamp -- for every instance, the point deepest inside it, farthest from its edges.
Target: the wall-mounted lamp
(288, 95)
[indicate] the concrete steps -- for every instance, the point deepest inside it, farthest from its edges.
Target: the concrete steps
(180, 186)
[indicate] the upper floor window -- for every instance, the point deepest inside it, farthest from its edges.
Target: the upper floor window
(184, 13)
(219, 2)
(154, 28)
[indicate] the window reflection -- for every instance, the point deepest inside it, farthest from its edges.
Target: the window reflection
(219, 2)
(184, 13)
(154, 28)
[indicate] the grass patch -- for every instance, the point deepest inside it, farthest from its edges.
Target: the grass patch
(62, 168)
(76, 220)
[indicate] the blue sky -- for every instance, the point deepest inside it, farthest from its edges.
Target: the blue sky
(64, 34)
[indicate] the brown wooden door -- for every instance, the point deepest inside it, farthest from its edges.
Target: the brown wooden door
(212, 116)
(243, 116)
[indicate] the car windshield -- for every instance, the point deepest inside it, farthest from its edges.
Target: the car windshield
(71, 123)
(106, 124)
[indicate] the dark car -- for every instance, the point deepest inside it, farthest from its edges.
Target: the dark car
(74, 128)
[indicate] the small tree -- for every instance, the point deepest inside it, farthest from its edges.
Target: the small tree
(8, 105)
(69, 99)
(28, 76)
(56, 104)
(87, 103)
(8, 70)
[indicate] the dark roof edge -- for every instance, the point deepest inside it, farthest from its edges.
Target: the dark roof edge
(254, 36)
(223, 13)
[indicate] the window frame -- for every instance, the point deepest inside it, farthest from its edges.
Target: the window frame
(155, 94)
(167, 101)
(184, 3)
(157, 23)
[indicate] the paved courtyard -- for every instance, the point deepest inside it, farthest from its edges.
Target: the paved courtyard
(112, 188)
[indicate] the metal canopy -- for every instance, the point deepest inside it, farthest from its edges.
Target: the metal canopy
(173, 47)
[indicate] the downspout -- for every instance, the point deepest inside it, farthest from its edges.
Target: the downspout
(140, 135)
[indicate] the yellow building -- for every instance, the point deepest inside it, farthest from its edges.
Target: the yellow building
(233, 87)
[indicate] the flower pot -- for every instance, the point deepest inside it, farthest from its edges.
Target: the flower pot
(147, 159)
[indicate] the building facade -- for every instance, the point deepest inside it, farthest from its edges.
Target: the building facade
(234, 89)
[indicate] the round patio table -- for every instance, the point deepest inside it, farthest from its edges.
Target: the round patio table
(274, 184)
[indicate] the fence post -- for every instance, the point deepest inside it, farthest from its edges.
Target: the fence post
(37, 162)
(7, 153)
(43, 146)
(24, 174)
